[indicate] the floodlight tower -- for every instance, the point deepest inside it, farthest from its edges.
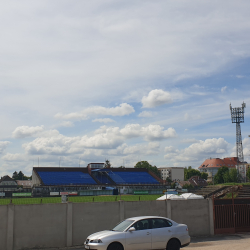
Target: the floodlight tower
(237, 116)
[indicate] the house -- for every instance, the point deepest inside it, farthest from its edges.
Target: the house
(7, 186)
(212, 165)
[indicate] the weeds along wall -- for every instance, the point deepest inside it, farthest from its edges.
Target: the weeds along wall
(68, 224)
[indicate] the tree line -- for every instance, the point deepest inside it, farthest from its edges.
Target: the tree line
(20, 176)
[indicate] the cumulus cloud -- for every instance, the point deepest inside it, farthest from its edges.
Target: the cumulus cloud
(197, 151)
(121, 110)
(151, 148)
(26, 131)
(3, 145)
(104, 120)
(145, 114)
(149, 133)
(54, 143)
(14, 157)
(156, 98)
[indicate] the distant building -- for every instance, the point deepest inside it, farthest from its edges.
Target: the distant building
(212, 165)
(24, 183)
(173, 173)
(7, 186)
(96, 165)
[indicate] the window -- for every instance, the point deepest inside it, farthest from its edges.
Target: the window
(142, 225)
(123, 225)
(159, 223)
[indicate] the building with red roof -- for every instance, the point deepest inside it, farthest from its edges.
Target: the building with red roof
(212, 165)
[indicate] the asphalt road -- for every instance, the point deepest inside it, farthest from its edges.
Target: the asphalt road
(218, 242)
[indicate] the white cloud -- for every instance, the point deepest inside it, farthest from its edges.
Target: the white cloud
(145, 114)
(223, 89)
(121, 110)
(14, 157)
(26, 131)
(3, 146)
(197, 151)
(149, 133)
(151, 148)
(104, 120)
(54, 143)
(156, 98)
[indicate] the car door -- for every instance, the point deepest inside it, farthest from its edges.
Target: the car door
(161, 233)
(140, 239)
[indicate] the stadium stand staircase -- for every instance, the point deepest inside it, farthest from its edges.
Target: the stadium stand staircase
(244, 192)
(209, 191)
(103, 178)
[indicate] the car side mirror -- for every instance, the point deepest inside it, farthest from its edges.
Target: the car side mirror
(131, 229)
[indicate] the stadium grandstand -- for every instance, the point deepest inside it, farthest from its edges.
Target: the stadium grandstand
(79, 181)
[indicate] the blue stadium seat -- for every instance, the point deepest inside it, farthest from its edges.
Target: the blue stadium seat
(132, 177)
(66, 178)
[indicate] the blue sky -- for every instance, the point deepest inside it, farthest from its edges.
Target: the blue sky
(85, 81)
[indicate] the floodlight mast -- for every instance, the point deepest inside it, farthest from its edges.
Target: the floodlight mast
(237, 116)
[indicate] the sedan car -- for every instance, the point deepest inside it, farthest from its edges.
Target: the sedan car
(141, 233)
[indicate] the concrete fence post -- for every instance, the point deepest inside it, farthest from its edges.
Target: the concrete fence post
(10, 227)
(169, 214)
(122, 213)
(69, 224)
(211, 216)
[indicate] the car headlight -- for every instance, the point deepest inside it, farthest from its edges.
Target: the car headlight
(96, 241)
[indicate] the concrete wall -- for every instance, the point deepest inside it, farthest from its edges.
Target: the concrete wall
(3, 226)
(195, 214)
(59, 225)
(40, 226)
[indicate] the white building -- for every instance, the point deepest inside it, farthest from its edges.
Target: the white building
(173, 173)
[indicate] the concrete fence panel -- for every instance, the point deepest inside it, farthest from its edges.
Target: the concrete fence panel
(3, 226)
(194, 213)
(91, 217)
(40, 226)
(145, 208)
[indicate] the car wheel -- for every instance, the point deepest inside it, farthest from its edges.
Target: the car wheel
(173, 245)
(115, 246)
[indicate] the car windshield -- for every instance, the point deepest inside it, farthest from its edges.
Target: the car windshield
(123, 225)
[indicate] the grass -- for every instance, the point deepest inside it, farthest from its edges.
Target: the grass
(111, 198)
(229, 196)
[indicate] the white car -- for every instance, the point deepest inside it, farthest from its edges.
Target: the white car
(141, 233)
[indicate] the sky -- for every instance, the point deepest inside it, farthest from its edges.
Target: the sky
(128, 81)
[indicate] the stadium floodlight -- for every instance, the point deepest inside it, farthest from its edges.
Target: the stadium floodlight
(237, 116)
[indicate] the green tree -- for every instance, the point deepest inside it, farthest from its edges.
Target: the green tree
(145, 164)
(168, 180)
(219, 177)
(248, 174)
(20, 175)
(226, 177)
(107, 164)
(189, 172)
(204, 175)
(15, 175)
(233, 173)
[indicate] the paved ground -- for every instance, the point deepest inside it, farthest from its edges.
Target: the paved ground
(226, 242)
(221, 242)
